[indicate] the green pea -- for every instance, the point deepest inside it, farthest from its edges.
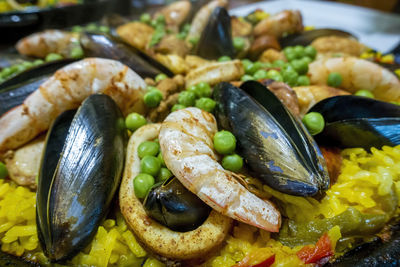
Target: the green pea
(252, 68)
(134, 121)
(160, 19)
(314, 122)
(157, 35)
(181, 35)
(224, 142)
(177, 107)
(260, 74)
(153, 98)
(232, 162)
(142, 184)
(224, 58)
(153, 23)
(91, 27)
(300, 66)
(310, 51)
(365, 93)
(206, 104)
(145, 18)
(203, 89)
(278, 63)
(186, 27)
(395, 103)
(246, 62)
(247, 77)
(148, 148)
(77, 28)
(3, 171)
(194, 40)
(290, 76)
(299, 51)
(164, 174)
(303, 80)
(104, 29)
(187, 98)
(77, 52)
(265, 65)
(6, 72)
(38, 62)
(53, 57)
(150, 165)
(27, 64)
(161, 159)
(161, 77)
(274, 75)
(334, 79)
(238, 43)
(307, 59)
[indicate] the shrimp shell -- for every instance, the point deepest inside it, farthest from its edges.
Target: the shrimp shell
(65, 90)
(186, 140)
(287, 21)
(357, 74)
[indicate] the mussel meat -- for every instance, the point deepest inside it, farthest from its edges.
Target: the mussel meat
(175, 207)
(276, 147)
(354, 121)
(307, 37)
(216, 39)
(80, 171)
(104, 46)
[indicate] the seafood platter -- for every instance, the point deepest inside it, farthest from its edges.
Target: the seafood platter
(191, 137)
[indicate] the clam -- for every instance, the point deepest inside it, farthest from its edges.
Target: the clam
(172, 205)
(216, 39)
(275, 146)
(80, 171)
(354, 121)
(105, 46)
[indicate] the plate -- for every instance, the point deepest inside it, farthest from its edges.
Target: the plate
(376, 29)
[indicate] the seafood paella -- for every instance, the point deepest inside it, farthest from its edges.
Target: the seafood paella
(190, 137)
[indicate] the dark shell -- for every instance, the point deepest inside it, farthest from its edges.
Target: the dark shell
(80, 171)
(216, 39)
(307, 37)
(276, 147)
(353, 121)
(100, 45)
(175, 207)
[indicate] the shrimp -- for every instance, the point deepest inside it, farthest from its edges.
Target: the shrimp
(186, 140)
(66, 89)
(309, 95)
(200, 20)
(287, 21)
(50, 41)
(175, 14)
(357, 74)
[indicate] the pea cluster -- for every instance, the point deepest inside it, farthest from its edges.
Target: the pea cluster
(91, 27)
(152, 168)
(196, 95)
(153, 96)
(225, 144)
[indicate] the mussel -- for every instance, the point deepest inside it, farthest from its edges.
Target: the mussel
(354, 121)
(216, 39)
(80, 171)
(276, 147)
(175, 207)
(105, 46)
(307, 37)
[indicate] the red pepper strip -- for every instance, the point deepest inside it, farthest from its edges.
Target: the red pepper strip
(268, 262)
(312, 254)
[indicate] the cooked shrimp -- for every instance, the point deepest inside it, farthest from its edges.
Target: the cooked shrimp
(338, 44)
(50, 41)
(66, 89)
(287, 21)
(201, 19)
(308, 96)
(175, 14)
(357, 74)
(186, 140)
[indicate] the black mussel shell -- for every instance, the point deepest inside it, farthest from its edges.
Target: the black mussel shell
(307, 37)
(276, 147)
(105, 46)
(175, 207)
(216, 39)
(35, 73)
(79, 174)
(354, 121)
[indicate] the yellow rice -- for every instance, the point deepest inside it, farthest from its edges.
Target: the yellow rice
(365, 178)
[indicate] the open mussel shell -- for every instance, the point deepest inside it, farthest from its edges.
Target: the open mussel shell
(276, 147)
(175, 207)
(216, 39)
(80, 171)
(354, 121)
(105, 46)
(307, 37)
